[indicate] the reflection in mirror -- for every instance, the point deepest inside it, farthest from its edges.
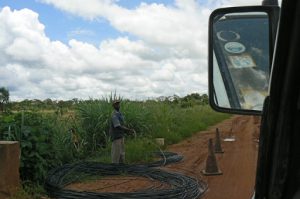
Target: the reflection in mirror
(241, 60)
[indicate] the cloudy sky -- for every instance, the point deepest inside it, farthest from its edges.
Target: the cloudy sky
(64, 49)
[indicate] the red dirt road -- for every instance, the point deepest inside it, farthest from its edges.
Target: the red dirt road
(238, 162)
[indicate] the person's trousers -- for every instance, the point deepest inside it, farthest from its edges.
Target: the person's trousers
(118, 151)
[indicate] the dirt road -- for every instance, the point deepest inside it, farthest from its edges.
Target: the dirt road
(238, 162)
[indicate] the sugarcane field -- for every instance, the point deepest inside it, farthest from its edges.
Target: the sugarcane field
(65, 150)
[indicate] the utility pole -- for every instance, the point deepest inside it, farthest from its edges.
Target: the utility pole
(270, 2)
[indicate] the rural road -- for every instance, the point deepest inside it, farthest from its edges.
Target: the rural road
(238, 163)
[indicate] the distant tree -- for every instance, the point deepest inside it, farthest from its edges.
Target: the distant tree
(193, 96)
(4, 98)
(194, 99)
(48, 102)
(25, 104)
(176, 99)
(204, 99)
(75, 100)
(68, 103)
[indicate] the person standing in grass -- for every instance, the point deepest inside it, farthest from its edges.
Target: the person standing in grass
(117, 132)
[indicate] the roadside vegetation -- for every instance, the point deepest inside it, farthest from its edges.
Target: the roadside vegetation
(52, 133)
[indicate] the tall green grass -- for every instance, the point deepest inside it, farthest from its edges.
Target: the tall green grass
(150, 119)
(94, 117)
(47, 136)
(137, 151)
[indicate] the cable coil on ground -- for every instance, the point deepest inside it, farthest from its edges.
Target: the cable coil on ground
(181, 186)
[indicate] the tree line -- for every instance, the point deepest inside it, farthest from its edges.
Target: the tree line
(49, 104)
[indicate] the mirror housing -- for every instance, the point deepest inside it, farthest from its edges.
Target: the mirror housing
(241, 42)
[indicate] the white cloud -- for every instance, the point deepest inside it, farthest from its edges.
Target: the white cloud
(80, 32)
(23, 50)
(168, 57)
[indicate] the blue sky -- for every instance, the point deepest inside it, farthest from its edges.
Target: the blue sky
(63, 26)
(90, 48)
(131, 4)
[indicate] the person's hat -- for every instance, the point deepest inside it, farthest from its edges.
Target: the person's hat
(116, 101)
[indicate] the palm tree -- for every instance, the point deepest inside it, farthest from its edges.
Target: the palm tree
(4, 98)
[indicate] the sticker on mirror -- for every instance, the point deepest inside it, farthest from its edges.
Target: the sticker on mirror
(242, 61)
(234, 47)
(253, 99)
(228, 36)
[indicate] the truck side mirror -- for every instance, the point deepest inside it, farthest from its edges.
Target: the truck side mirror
(240, 56)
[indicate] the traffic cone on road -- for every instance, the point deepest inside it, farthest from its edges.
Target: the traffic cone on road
(211, 161)
(218, 147)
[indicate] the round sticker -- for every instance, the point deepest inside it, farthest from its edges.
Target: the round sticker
(228, 36)
(234, 47)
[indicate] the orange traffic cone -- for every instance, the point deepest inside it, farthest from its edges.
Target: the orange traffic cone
(218, 147)
(211, 161)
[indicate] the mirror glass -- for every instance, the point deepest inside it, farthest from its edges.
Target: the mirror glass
(241, 61)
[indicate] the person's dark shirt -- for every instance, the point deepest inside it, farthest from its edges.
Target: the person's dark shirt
(117, 120)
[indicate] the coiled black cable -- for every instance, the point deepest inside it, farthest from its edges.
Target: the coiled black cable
(181, 186)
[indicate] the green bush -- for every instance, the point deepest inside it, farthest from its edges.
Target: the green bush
(45, 142)
(34, 135)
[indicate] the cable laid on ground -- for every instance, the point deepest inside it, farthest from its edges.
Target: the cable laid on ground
(180, 186)
(166, 158)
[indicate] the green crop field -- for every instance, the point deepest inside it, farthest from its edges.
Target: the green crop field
(54, 135)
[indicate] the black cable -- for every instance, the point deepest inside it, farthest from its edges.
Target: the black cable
(180, 186)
